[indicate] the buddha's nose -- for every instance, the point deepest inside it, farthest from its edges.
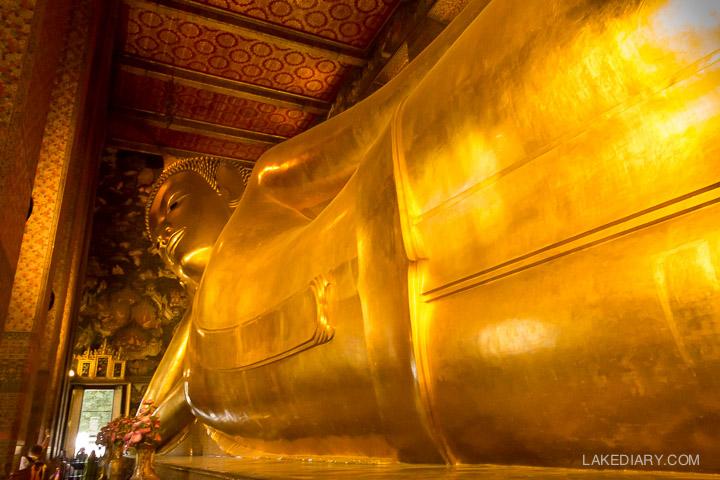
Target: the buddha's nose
(164, 236)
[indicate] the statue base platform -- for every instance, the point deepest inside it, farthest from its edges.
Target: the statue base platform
(201, 468)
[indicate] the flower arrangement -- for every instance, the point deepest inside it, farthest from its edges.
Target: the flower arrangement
(145, 428)
(113, 434)
(102, 438)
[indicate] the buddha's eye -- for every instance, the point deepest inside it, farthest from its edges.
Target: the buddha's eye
(175, 202)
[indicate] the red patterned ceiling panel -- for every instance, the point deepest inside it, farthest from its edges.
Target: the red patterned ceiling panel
(179, 39)
(123, 129)
(174, 99)
(352, 22)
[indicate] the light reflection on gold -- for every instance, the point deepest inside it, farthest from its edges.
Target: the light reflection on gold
(695, 22)
(515, 337)
(695, 114)
(198, 256)
(267, 170)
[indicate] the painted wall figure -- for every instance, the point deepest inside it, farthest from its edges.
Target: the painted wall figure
(129, 297)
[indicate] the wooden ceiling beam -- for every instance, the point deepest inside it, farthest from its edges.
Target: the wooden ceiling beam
(270, 32)
(204, 81)
(197, 127)
(122, 144)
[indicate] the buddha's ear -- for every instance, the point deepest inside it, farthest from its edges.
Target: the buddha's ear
(231, 183)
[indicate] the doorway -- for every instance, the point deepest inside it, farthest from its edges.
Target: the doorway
(91, 407)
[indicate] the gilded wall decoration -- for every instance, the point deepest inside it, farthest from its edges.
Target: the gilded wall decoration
(129, 298)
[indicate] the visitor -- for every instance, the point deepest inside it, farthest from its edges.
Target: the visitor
(81, 456)
(33, 463)
(91, 467)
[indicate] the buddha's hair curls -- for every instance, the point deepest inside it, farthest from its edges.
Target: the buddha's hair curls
(206, 167)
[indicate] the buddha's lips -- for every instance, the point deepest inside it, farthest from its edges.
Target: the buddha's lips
(173, 241)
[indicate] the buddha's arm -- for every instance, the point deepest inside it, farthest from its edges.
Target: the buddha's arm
(169, 371)
(175, 416)
(167, 390)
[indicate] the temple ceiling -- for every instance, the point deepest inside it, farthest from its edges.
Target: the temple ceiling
(232, 78)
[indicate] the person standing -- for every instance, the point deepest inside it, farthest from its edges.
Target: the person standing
(81, 456)
(34, 463)
(91, 467)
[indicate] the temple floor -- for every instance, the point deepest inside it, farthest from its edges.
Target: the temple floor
(196, 468)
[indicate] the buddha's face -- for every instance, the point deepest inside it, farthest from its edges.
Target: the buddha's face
(186, 218)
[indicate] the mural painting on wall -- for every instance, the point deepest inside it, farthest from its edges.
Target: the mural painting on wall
(129, 297)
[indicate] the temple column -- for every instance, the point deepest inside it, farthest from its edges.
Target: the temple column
(36, 329)
(30, 32)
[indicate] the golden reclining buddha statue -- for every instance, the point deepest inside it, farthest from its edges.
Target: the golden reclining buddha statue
(509, 254)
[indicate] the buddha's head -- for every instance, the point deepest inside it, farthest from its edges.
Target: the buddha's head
(188, 207)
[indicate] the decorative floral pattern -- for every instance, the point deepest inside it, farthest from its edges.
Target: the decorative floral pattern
(33, 264)
(15, 23)
(184, 41)
(175, 99)
(352, 22)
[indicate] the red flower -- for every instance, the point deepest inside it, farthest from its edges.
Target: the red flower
(144, 429)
